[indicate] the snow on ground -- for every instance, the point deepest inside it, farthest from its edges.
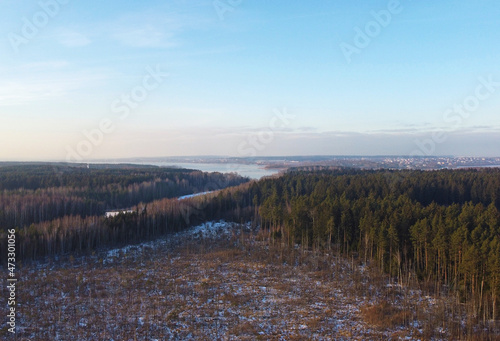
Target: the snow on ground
(213, 281)
(203, 231)
(194, 195)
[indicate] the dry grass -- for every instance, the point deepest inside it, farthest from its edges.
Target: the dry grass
(385, 315)
(227, 288)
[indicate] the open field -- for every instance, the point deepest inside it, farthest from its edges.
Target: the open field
(218, 281)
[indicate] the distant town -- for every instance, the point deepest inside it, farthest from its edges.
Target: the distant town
(364, 162)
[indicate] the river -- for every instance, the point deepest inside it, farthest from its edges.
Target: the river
(253, 171)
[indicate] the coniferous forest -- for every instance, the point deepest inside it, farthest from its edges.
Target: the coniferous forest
(442, 227)
(59, 209)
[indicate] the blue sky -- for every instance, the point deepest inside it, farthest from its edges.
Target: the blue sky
(232, 65)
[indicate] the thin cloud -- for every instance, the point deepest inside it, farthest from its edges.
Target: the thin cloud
(145, 36)
(73, 39)
(148, 29)
(40, 87)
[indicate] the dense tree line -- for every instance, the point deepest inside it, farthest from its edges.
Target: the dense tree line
(441, 226)
(38, 193)
(40, 175)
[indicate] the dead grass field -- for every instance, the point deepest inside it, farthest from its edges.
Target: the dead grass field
(219, 283)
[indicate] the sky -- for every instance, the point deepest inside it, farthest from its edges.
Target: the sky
(86, 80)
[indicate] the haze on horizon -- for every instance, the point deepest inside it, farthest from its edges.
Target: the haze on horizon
(115, 79)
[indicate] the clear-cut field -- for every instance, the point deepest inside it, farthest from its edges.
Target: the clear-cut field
(215, 282)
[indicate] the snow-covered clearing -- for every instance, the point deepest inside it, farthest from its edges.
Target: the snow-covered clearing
(214, 281)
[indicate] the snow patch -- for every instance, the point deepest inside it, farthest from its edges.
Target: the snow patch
(194, 195)
(212, 229)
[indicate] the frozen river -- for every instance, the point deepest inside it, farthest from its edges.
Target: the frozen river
(253, 171)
